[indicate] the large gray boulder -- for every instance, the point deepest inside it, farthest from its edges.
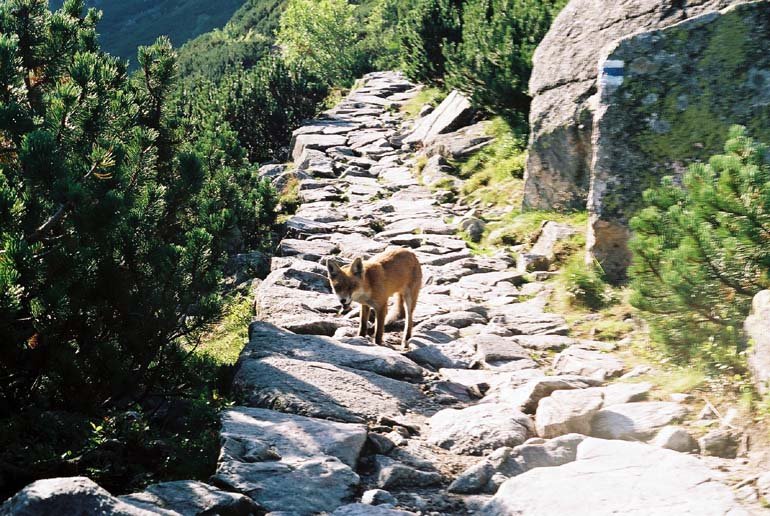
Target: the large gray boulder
(527, 396)
(721, 442)
(636, 420)
(504, 463)
(567, 411)
(528, 319)
(550, 236)
(454, 112)
(477, 478)
(70, 495)
(462, 143)
(667, 98)
(564, 85)
(617, 477)
(457, 353)
(299, 310)
(675, 438)
(565, 403)
(392, 474)
(758, 331)
(479, 428)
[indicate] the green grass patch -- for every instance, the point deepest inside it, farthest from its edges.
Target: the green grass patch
(680, 379)
(432, 96)
(504, 157)
(288, 199)
(494, 174)
(518, 228)
(583, 285)
(335, 96)
(226, 340)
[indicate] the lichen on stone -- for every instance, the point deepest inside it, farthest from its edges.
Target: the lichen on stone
(682, 88)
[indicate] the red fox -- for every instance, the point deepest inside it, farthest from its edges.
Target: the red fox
(372, 282)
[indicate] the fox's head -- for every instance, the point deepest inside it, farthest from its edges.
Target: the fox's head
(346, 280)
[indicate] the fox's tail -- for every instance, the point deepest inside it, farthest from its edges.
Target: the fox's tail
(396, 311)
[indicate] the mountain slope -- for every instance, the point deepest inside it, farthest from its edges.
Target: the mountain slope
(244, 40)
(126, 24)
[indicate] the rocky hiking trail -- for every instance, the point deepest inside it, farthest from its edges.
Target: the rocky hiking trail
(476, 417)
(493, 410)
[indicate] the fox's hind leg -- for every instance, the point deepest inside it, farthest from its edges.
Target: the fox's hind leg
(410, 303)
(409, 309)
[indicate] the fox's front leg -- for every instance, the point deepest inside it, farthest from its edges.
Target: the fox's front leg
(363, 327)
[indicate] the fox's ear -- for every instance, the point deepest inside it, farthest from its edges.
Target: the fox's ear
(357, 267)
(333, 267)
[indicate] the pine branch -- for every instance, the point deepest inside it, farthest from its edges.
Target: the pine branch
(57, 217)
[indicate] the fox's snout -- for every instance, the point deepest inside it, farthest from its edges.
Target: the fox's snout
(345, 301)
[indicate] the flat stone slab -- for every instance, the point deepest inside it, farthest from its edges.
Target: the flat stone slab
(528, 319)
(319, 484)
(191, 497)
(312, 250)
(419, 226)
(479, 428)
(354, 245)
(300, 311)
(361, 509)
(453, 112)
(616, 477)
(455, 319)
(289, 436)
(545, 342)
(392, 474)
(397, 176)
(618, 393)
(264, 453)
(315, 142)
(485, 377)
(494, 348)
(266, 338)
(586, 362)
(493, 278)
(322, 390)
(458, 353)
(301, 277)
(308, 226)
